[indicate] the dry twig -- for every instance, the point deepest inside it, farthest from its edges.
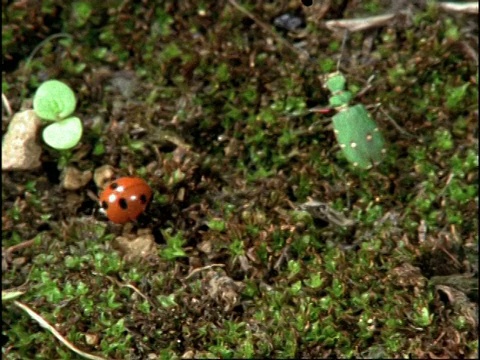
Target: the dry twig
(45, 324)
(303, 55)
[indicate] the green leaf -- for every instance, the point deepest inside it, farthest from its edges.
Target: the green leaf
(81, 12)
(216, 224)
(54, 100)
(358, 136)
(167, 301)
(456, 97)
(63, 134)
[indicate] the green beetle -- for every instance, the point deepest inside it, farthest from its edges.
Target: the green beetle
(356, 132)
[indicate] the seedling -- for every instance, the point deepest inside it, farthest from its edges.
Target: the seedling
(55, 101)
(355, 130)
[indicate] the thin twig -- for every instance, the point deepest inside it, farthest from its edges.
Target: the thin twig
(20, 246)
(470, 51)
(34, 52)
(6, 105)
(54, 331)
(193, 272)
(398, 127)
(465, 8)
(283, 256)
(453, 258)
(344, 43)
(11, 294)
(303, 55)
(361, 24)
(38, 47)
(129, 286)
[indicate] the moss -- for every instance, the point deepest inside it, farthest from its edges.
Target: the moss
(218, 123)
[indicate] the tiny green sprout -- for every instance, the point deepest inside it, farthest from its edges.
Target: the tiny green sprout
(55, 101)
(63, 134)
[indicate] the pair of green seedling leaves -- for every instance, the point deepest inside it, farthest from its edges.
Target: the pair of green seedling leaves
(357, 133)
(55, 101)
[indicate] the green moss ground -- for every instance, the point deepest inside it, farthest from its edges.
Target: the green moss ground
(278, 282)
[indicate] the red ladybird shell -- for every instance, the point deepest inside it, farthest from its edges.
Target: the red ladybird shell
(124, 199)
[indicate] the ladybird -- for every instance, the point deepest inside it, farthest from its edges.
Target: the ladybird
(125, 199)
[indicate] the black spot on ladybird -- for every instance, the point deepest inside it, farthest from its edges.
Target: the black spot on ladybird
(122, 202)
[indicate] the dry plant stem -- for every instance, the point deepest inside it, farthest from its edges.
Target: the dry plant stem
(470, 51)
(454, 259)
(464, 8)
(7, 253)
(383, 20)
(283, 257)
(11, 294)
(39, 46)
(392, 121)
(303, 55)
(193, 272)
(20, 246)
(115, 281)
(398, 127)
(422, 231)
(6, 105)
(361, 24)
(54, 331)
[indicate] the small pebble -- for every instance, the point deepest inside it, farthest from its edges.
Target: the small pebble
(140, 247)
(288, 22)
(102, 175)
(20, 149)
(74, 179)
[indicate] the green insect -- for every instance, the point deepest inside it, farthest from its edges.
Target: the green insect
(355, 130)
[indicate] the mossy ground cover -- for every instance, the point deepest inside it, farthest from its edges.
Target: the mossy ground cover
(209, 105)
